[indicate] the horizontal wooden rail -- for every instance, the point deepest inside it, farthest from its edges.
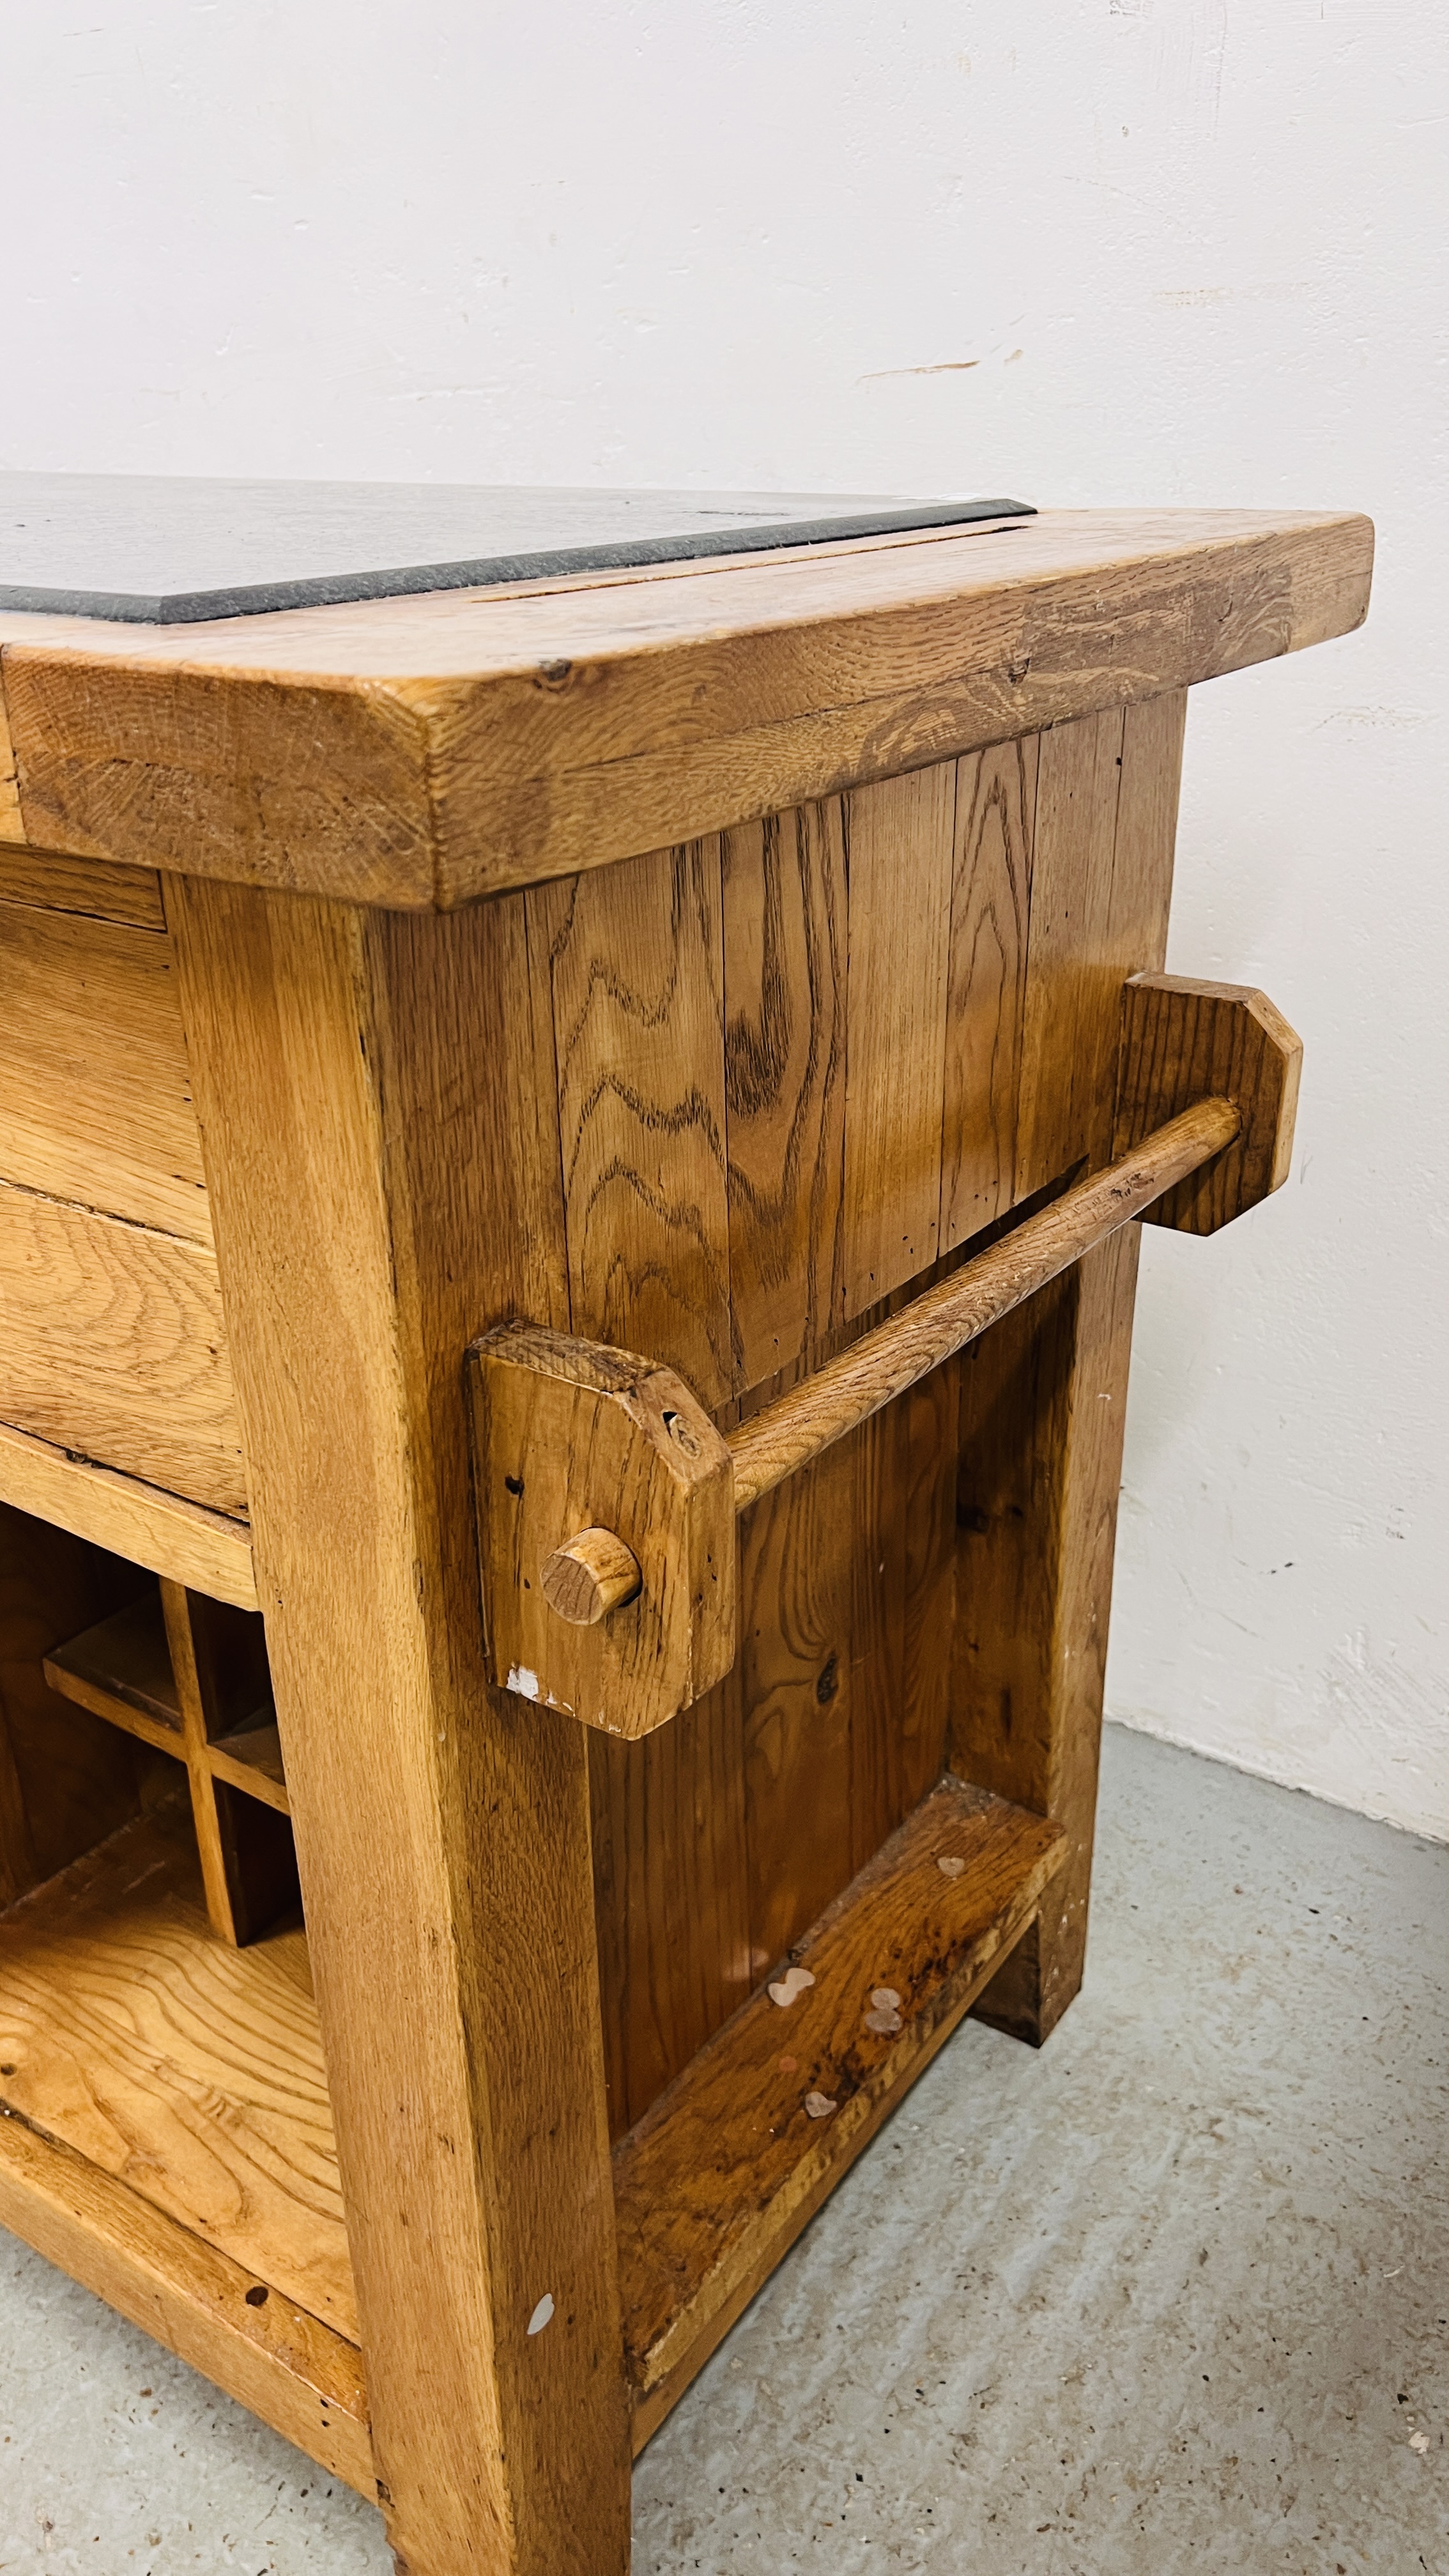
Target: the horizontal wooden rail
(883, 1363)
(607, 1496)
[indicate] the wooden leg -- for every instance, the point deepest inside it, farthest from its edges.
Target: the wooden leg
(361, 1081)
(1042, 1406)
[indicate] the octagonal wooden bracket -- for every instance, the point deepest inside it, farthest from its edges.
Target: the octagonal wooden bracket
(1184, 1041)
(585, 1457)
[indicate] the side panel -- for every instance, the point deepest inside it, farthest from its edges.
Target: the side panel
(796, 1070)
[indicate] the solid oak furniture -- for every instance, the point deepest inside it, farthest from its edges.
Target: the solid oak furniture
(568, 1157)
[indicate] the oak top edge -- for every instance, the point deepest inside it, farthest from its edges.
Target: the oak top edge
(421, 641)
(421, 753)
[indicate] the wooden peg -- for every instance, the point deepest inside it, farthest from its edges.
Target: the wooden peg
(594, 1574)
(1181, 1041)
(632, 1618)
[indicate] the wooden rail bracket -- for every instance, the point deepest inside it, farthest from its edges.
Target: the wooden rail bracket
(606, 1497)
(1183, 1040)
(606, 1526)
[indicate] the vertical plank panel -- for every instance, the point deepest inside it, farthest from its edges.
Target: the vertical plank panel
(902, 1598)
(627, 966)
(1072, 976)
(530, 1080)
(796, 1572)
(877, 1635)
(930, 1433)
(636, 974)
(899, 840)
(671, 1892)
(1146, 831)
(990, 898)
(1041, 1463)
(784, 987)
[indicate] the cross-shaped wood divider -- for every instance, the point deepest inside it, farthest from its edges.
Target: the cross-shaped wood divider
(188, 1676)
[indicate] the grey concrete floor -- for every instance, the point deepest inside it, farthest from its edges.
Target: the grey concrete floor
(1171, 2294)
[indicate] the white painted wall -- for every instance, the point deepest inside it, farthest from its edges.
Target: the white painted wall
(1098, 250)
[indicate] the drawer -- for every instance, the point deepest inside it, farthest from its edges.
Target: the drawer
(111, 1335)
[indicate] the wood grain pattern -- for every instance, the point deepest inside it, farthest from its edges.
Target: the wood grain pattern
(846, 1586)
(903, 1604)
(929, 1328)
(671, 1896)
(1181, 1038)
(1043, 1407)
(99, 887)
(1044, 1392)
(229, 2323)
(990, 903)
(572, 1435)
(95, 1091)
(900, 838)
(784, 993)
(635, 975)
(427, 751)
(1147, 801)
(112, 1344)
(797, 1681)
(209, 1550)
(372, 1206)
(719, 2179)
(190, 2071)
(1073, 975)
(1101, 888)
(12, 827)
(154, 766)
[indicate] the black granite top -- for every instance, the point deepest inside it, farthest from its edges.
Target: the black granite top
(169, 550)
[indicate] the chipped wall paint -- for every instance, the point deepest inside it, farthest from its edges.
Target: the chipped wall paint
(1121, 251)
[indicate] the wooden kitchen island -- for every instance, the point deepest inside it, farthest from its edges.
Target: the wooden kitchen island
(568, 1148)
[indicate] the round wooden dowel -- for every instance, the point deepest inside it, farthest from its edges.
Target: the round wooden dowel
(594, 1574)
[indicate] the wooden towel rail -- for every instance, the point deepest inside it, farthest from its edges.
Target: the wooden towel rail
(943, 1319)
(607, 1497)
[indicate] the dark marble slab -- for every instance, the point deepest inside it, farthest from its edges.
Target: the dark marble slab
(163, 551)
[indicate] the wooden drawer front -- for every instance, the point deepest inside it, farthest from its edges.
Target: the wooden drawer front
(111, 1344)
(95, 1094)
(799, 1061)
(111, 1334)
(91, 886)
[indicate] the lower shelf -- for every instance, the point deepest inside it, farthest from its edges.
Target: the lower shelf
(230, 2324)
(732, 2162)
(166, 2135)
